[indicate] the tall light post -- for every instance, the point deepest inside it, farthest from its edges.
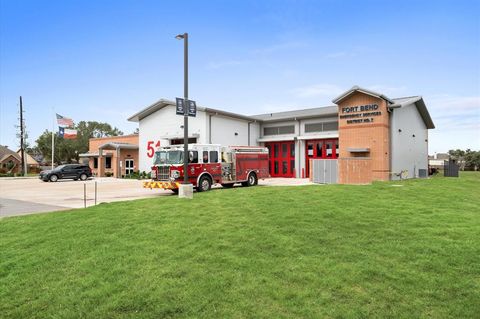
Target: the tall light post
(185, 96)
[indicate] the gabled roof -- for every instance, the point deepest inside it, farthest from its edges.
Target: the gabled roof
(355, 89)
(29, 158)
(394, 103)
(160, 104)
(5, 152)
(420, 105)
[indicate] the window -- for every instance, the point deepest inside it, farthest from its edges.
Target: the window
(179, 141)
(284, 167)
(277, 130)
(330, 126)
(337, 149)
(310, 149)
(313, 127)
(193, 157)
(321, 127)
(95, 162)
(205, 156)
(213, 157)
(108, 162)
(319, 149)
(284, 150)
(328, 148)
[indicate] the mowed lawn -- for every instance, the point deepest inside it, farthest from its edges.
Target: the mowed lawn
(337, 251)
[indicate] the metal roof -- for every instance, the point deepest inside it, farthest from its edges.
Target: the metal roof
(117, 145)
(160, 104)
(323, 111)
(356, 88)
(421, 108)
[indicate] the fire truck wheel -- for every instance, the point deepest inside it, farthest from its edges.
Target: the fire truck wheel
(204, 184)
(252, 180)
(175, 191)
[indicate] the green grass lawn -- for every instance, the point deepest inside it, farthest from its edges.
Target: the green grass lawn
(336, 251)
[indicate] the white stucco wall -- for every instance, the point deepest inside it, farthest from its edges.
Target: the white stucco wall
(224, 129)
(410, 145)
(163, 125)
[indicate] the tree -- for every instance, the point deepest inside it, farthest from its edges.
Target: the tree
(472, 160)
(458, 155)
(68, 150)
(466, 159)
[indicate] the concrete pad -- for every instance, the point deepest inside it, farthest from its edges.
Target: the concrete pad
(282, 181)
(70, 194)
(12, 207)
(31, 195)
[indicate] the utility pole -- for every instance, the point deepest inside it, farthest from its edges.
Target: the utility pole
(22, 132)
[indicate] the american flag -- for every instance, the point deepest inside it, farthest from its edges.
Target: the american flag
(64, 121)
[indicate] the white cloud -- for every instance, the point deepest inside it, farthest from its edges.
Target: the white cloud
(318, 90)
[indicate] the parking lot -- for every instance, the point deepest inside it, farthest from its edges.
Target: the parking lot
(30, 195)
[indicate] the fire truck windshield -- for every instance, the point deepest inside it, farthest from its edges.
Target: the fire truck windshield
(168, 157)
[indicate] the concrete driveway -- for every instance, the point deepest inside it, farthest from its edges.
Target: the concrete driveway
(30, 195)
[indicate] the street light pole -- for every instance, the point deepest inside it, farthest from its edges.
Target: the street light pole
(185, 96)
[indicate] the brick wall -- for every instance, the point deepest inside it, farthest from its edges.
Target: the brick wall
(372, 134)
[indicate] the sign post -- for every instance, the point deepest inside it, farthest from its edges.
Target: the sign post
(186, 189)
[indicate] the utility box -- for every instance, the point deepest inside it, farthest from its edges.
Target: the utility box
(450, 168)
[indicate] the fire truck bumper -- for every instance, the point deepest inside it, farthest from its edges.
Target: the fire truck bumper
(162, 185)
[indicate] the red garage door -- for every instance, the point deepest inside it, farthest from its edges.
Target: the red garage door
(282, 158)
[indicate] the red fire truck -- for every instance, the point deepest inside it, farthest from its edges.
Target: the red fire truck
(208, 164)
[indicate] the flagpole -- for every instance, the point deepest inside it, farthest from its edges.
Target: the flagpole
(53, 138)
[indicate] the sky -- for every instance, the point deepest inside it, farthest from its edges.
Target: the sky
(106, 60)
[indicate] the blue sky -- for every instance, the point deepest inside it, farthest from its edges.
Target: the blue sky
(105, 60)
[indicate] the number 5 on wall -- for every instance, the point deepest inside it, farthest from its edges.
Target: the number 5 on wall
(150, 149)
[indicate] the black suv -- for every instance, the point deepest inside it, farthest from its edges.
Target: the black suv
(68, 171)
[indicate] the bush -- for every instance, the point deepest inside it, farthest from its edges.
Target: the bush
(108, 174)
(7, 175)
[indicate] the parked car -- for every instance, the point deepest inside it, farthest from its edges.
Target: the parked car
(68, 171)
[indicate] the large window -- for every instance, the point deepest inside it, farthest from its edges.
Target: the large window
(321, 127)
(278, 130)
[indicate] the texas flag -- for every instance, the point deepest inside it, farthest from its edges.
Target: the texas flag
(67, 133)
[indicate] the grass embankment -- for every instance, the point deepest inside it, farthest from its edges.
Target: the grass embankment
(315, 251)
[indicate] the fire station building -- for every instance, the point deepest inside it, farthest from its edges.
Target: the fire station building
(365, 136)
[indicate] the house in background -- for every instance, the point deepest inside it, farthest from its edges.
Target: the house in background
(33, 166)
(115, 156)
(10, 162)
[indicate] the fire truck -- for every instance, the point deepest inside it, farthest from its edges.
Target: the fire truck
(208, 164)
